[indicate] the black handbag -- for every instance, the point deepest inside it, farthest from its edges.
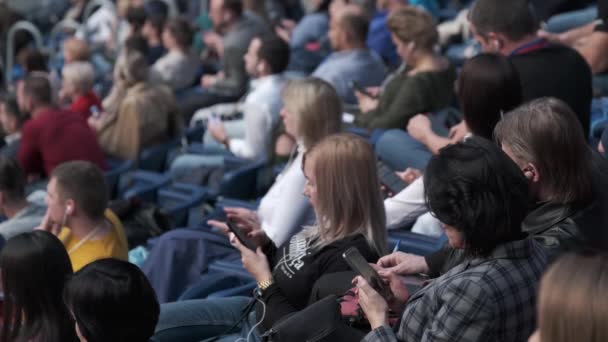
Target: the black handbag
(316, 322)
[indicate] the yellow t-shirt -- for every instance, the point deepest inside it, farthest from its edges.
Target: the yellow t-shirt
(112, 245)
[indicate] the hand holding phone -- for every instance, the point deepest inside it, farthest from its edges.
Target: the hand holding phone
(241, 236)
(357, 262)
(389, 178)
(358, 87)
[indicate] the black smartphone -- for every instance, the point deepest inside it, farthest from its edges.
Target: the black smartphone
(357, 262)
(358, 87)
(389, 178)
(239, 235)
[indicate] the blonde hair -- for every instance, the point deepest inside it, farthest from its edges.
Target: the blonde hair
(349, 201)
(410, 24)
(80, 74)
(316, 106)
(77, 48)
(572, 300)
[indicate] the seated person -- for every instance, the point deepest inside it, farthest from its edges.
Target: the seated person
(590, 40)
(22, 214)
(510, 28)
(481, 197)
(156, 18)
(249, 137)
(78, 81)
(569, 206)
(12, 121)
(424, 84)
(179, 67)
(146, 113)
(42, 147)
(351, 60)
(286, 275)
(571, 297)
(75, 50)
(312, 110)
(233, 30)
(307, 38)
(77, 199)
(111, 300)
(35, 267)
(487, 87)
(379, 36)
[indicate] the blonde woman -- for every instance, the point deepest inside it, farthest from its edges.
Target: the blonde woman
(139, 113)
(572, 300)
(312, 110)
(349, 213)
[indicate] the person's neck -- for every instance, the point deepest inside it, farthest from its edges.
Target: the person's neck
(154, 41)
(352, 47)
(509, 47)
(425, 61)
(82, 226)
(39, 109)
(11, 209)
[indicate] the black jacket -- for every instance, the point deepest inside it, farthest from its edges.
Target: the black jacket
(558, 227)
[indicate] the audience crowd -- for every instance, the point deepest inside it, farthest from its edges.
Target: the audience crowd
(473, 130)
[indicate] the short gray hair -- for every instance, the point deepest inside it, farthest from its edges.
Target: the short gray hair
(79, 74)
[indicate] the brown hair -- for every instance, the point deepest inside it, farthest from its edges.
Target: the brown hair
(84, 183)
(349, 199)
(78, 48)
(355, 26)
(546, 133)
(410, 24)
(317, 108)
(572, 299)
(181, 31)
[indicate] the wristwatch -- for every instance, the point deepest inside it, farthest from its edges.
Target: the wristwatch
(263, 285)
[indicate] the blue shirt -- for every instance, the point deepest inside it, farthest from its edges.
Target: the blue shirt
(379, 40)
(340, 68)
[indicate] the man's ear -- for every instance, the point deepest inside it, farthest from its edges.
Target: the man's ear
(495, 40)
(70, 207)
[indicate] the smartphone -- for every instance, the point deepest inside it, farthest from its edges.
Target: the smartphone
(358, 87)
(389, 178)
(241, 236)
(95, 113)
(357, 262)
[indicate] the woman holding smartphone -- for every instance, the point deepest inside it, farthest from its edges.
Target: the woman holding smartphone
(481, 197)
(349, 213)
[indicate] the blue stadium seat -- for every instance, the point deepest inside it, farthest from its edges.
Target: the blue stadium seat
(141, 184)
(195, 134)
(178, 198)
(116, 169)
(240, 182)
(153, 158)
(414, 243)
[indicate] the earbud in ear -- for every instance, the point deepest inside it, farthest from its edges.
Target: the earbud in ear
(497, 44)
(68, 210)
(411, 46)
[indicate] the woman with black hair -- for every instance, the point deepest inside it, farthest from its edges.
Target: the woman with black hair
(112, 300)
(34, 267)
(481, 197)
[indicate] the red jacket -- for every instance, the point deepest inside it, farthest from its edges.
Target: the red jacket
(82, 105)
(55, 136)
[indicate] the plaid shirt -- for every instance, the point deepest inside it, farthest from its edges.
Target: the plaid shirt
(481, 299)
